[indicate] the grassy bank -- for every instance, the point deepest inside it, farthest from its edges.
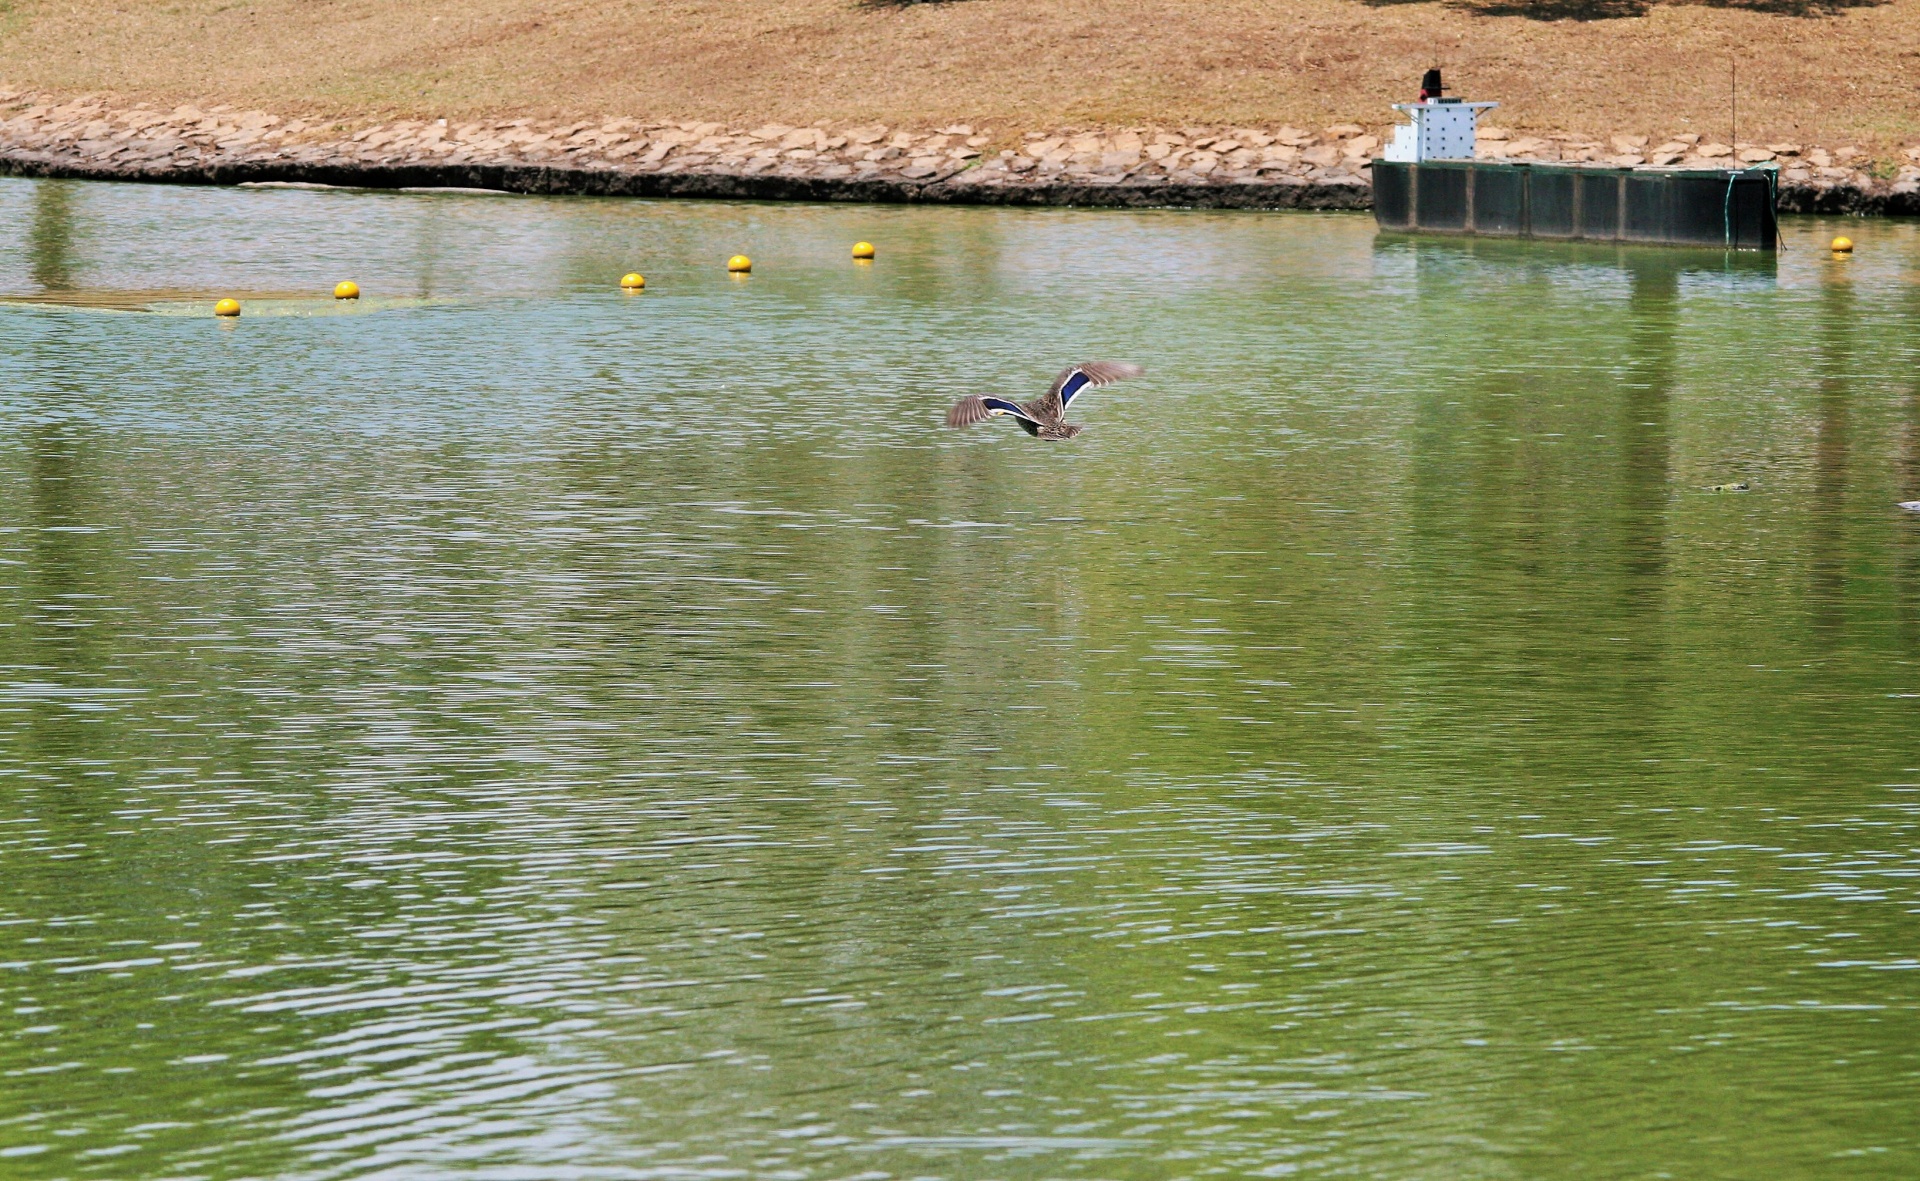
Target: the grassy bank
(1829, 77)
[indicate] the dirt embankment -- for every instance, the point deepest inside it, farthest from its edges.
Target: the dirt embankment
(1269, 102)
(1272, 167)
(1829, 72)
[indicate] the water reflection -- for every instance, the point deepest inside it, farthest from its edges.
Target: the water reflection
(1645, 424)
(1834, 363)
(548, 733)
(1908, 489)
(51, 236)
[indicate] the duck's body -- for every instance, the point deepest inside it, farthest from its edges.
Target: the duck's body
(1045, 417)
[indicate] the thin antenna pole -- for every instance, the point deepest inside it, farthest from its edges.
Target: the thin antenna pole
(1733, 90)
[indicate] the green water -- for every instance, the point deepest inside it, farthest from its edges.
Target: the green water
(508, 729)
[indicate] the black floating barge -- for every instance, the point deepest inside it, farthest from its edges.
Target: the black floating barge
(1732, 209)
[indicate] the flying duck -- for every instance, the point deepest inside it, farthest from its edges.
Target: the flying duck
(1044, 417)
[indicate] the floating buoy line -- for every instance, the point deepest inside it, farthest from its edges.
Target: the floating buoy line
(632, 281)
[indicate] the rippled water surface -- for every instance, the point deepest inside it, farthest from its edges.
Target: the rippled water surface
(509, 729)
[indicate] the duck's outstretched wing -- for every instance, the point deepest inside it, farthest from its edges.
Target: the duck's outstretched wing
(973, 408)
(1088, 375)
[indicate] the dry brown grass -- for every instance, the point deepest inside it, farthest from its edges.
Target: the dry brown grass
(1848, 76)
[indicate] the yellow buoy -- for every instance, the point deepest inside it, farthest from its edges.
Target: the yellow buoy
(227, 307)
(740, 264)
(863, 250)
(1843, 245)
(346, 290)
(632, 281)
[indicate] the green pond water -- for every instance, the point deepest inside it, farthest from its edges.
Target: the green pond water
(509, 729)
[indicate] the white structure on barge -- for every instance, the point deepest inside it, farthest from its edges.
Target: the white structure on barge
(1442, 128)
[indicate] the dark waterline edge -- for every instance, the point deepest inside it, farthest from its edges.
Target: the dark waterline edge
(607, 182)
(1290, 193)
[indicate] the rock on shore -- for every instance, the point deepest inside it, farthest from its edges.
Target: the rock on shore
(1264, 167)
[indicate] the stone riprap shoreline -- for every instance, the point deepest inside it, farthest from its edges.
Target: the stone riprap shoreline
(1240, 167)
